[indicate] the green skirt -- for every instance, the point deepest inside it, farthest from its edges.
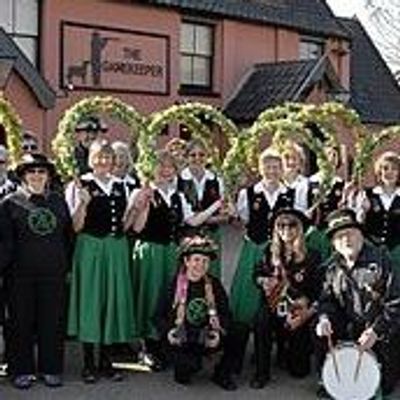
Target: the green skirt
(245, 296)
(317, 240)
(101, 302)
(395, 257)
(154, 268)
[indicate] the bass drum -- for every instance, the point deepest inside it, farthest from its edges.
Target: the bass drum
(354, 375)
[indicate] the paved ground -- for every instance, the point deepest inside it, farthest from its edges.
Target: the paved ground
(160, 386)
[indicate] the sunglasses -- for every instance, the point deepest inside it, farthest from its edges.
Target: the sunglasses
(289, 225)
(29, 147)
(197, 155)
(37, 171)
(2, 162)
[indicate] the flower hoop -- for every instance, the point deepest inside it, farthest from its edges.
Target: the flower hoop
(188, 114)
(13, 127)
(366, 147)
(64, 143)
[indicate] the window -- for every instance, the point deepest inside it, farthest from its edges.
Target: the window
(196, 48)
(20, 19)
(311, 48)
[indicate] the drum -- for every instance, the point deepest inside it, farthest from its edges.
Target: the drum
(349, 374)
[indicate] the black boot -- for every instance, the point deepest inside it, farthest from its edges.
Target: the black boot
(105, 365)
(89, 369)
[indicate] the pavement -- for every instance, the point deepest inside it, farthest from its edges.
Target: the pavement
(160, 386)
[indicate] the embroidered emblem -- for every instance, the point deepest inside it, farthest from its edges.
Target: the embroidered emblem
(42, 221)
(299, 276)
(197, 311)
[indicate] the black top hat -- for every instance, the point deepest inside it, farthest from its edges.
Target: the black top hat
(294, 213)
(198, 245)
(341, 219)
(91, 123)
(34, 161)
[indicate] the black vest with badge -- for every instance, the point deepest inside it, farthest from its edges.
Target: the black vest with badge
(164, 223)
(211, 193)
(383, 227)
(330, 203)
(104, 212)
(259, 227)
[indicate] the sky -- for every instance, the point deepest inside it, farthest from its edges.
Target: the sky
(349, 8)
(346, 8)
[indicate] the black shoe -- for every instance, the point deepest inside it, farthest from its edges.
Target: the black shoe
(224, 381)
(322, 393)
(89, 375)
(182, 379)
(259, 383)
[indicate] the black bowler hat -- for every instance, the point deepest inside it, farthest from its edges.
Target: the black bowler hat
(37, 160)
(341, 219)
(292, 212)
(91, 123)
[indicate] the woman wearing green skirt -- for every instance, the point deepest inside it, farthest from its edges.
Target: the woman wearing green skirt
(202, 187)
(256, 206)
(157, 214)
(101, 302)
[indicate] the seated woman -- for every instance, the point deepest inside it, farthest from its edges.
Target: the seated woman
(289, 279)
(194, 317)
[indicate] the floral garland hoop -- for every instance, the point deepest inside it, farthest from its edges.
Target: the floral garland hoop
(292, 120)
(64, 142)
(366, 148)
(13, 127)
(187, 114)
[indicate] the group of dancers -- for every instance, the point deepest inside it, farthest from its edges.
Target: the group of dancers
(108, 261)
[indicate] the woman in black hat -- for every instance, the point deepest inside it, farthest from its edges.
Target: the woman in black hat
(35, 234)
(290, 282)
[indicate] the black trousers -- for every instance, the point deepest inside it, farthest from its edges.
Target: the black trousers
(37, 316)
(294, 349)
(187, 361)
(294, 346)
(386, 350)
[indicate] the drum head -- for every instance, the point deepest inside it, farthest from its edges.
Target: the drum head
(347, 384)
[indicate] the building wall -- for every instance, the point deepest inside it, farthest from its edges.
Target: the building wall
(26, 106)
(238, 45)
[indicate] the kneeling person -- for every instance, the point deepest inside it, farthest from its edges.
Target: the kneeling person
(195, 316)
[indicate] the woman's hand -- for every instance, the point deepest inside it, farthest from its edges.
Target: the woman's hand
(84, 197)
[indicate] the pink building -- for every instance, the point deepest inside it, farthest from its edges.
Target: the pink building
(241, 56)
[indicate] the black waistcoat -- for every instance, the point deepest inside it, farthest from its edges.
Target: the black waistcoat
(383, 227)
(210, 195)
(330, 203)
(163, 222)
(259, 227)
(104, 212)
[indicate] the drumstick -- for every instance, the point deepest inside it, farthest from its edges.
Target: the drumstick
(358, 365)
(334, 359)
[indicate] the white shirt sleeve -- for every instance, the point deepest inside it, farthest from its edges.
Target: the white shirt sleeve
(71, 196)
(301, 196)
(242, 206)
(186, 208)
(221, 186)
(132, 198)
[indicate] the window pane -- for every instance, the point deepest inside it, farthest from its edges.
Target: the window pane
(6, 15)
(310, 50)
(26, 17)
(203, 40)
(201, 71)
(187, 38)
(186, 70)
(28, 46)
